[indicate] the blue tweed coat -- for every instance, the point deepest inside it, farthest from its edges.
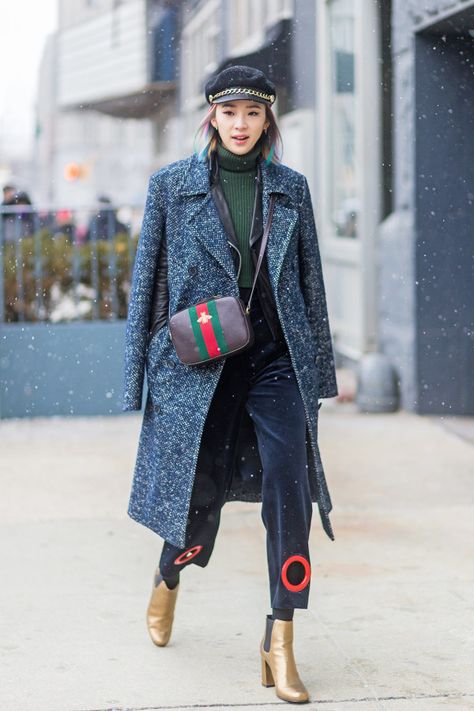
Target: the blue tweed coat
(178, 399)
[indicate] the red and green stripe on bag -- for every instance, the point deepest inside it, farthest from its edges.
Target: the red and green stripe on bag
(207, 330)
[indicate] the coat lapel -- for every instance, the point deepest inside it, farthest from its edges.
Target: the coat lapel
(196, 187)
(276, 180)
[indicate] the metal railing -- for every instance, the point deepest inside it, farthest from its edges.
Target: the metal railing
(61, 264)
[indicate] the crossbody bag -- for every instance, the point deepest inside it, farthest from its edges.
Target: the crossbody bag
(219, 326)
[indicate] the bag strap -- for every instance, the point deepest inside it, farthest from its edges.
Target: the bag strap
(262, 248)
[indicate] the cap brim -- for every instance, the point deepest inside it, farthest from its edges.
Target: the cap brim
(235, 97)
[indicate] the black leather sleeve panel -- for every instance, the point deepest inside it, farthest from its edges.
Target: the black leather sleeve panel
(160, 299)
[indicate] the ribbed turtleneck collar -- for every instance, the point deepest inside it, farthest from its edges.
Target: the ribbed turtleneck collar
(237, 163)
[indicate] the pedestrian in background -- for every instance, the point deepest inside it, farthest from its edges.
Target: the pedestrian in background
(7, 219)
(8, 193)
(17, 223)
(241, 428)
(64, 225)
(105, 223)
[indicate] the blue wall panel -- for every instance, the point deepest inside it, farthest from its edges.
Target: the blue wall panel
(61, 369)
(444, 155)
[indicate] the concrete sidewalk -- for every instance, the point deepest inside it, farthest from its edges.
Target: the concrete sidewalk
(390, 624)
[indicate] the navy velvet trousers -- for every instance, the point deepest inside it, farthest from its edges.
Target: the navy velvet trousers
(262, 380)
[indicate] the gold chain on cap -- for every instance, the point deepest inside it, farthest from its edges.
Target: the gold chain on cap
(242, 90)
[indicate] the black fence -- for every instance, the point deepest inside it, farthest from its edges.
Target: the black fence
(66, 264)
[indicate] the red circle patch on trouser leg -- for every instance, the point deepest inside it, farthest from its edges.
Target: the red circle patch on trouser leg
(307, 573)
(188, 555)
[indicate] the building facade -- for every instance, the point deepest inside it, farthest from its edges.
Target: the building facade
(375, 106)
(425, 293)
(112, 86)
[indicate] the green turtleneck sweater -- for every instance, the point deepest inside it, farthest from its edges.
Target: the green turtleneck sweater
(238, 174)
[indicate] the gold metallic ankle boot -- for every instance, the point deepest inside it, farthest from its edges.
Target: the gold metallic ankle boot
(278, 664)
(160, 612)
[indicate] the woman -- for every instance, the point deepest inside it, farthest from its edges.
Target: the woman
(243, 427)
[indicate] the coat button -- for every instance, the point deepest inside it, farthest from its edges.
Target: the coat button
(157, 408)
(192, 269)
(170, 363)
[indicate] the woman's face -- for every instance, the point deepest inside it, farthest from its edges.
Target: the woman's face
(240, 124)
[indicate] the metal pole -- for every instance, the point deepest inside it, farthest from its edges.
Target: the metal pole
(20, 297)
(94, 268)
(112, 264)
(39, 300)
(2, 272)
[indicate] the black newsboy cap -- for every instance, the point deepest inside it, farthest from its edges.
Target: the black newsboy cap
(240, 82)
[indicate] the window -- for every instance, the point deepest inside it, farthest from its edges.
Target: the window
(200, 50)
(344, 198)
(248, 20)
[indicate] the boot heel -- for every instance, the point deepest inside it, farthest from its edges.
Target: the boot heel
(267, 676)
